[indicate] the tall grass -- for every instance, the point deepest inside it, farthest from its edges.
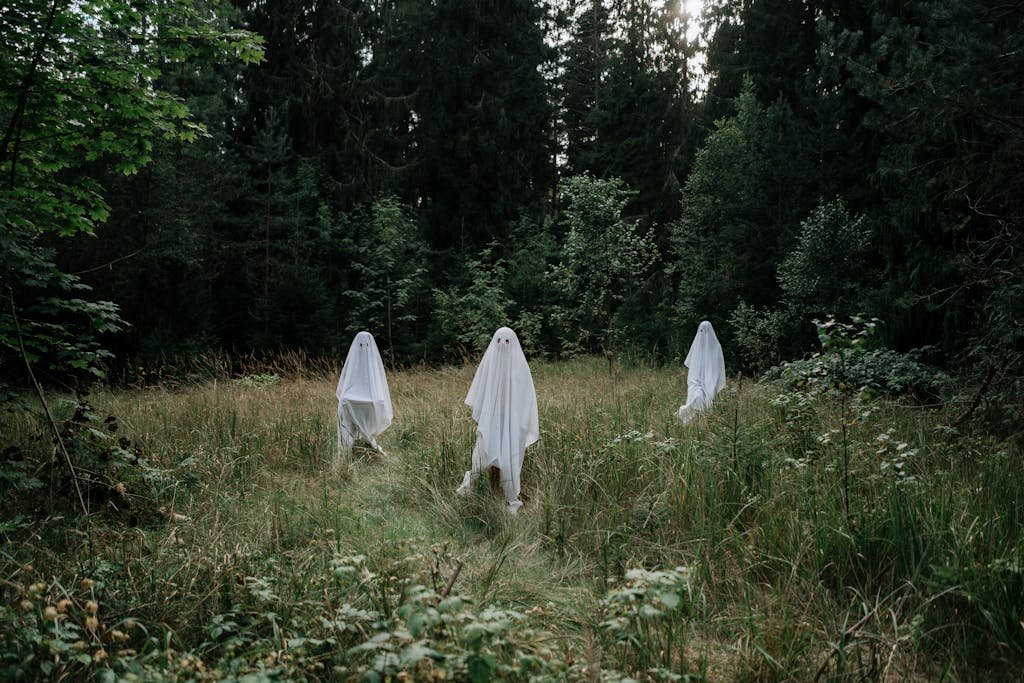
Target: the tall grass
(922, 577)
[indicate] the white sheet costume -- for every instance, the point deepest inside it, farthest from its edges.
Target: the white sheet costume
(504, 406)
(706, 375)
(364, 402)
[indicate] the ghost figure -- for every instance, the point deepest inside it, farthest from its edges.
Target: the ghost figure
(364, 402)
(706, 375)
(504, 406)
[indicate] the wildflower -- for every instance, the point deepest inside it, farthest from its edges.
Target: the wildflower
(37, 587)
(92, 607)
(99, 655)
(28, 569)
(27, 605)
(50, 613)
(88, 583)
(118, 636)
(92, 623)
(62, 605)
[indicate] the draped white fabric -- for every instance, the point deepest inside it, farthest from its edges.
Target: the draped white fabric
(706, 374)
(504, 406)
(364, 402)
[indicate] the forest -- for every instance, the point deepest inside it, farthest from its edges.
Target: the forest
(602, 176)
(203, 201)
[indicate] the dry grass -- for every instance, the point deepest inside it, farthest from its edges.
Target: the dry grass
(749, 498)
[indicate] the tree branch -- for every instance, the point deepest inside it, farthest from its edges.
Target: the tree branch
(42, 399)
(26, 86)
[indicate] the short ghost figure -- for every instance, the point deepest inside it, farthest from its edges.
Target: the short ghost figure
(706, 375)
(364, 402)
(504, 406)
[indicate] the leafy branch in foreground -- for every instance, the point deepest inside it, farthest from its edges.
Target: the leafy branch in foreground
(80, 89)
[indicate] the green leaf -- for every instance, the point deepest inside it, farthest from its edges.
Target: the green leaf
(417, 624)
(480, 666)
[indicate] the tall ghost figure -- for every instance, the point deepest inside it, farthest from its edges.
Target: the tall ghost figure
(504, 406)
(364, 402)
(706, 375)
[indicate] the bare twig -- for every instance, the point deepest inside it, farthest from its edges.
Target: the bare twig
(42, 400)
(977, 396)
(108, 264)
(451, 581)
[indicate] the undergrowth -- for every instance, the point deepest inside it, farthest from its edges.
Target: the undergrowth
(797, 532)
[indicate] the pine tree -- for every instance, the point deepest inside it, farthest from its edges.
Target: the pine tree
(481, 130)
(313, 77)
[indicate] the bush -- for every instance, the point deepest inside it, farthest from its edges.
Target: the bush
(879, 372)
(467, 315)
(757, 335)
(827, 266)
(845, 365)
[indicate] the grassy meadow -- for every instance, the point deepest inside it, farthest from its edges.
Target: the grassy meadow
(785, 536)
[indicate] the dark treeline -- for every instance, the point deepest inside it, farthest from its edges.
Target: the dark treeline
(583, 172)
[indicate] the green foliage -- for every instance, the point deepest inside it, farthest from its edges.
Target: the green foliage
(291, 235)
(531, 252)
(116, 477)
(757, 335)
(79, 88)
(628, 107)
(604, 257)
(477, 112)
(466, 315)
(447, 637)
(645, 622)
(938, 77)
(827, 266)
(771, 43)
(741, 205)
(389, 264)
(846, 364)
(168, 252)
(48, 633)
(45, 312)
(826, 271)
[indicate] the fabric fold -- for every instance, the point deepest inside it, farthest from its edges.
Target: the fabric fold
(705, 375)
(504, 405)
(364, 401)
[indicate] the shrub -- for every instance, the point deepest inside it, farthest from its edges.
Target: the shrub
(467, 315)
(845, 365)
